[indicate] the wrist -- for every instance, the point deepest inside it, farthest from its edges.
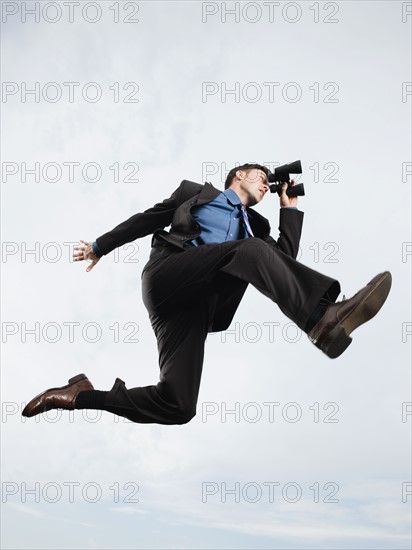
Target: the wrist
(96, 249)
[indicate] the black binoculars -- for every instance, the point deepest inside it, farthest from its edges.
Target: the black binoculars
(281, 176)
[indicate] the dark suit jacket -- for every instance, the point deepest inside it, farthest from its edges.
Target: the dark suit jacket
(175, 211)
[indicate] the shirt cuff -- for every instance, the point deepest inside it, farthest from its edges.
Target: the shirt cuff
(96, 249)
(293, 207)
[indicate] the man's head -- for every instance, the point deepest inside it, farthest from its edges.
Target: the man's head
(249, 181)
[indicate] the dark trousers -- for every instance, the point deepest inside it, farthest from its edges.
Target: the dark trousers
(182, 290)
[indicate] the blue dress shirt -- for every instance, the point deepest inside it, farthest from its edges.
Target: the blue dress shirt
(220, 220)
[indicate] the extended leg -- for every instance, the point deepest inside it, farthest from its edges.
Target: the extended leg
(181, 336)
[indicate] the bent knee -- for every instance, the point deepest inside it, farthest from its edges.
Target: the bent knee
(184, 416)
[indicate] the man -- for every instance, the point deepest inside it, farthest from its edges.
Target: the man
(194, 281)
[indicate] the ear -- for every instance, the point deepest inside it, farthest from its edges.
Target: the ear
(238, 174)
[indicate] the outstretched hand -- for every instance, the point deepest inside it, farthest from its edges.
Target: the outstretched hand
(286, 201)
(86, 253)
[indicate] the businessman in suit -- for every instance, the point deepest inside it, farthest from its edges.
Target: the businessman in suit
(193, 283)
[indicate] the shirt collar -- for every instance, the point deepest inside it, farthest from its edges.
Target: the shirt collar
(232, 197)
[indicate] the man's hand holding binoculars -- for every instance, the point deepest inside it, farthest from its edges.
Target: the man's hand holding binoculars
(286, 201)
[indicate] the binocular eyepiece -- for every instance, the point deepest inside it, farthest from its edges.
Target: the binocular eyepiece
(281, 176)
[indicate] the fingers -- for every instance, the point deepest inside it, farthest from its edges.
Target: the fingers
(80, 255)
(84, 251)
(91, 266)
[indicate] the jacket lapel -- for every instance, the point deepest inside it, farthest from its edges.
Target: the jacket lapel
(207, 194)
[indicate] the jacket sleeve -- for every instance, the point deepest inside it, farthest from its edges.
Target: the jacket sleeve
(140, 225)
(290, 230)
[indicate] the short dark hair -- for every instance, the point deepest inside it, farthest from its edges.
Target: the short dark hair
(246, 168)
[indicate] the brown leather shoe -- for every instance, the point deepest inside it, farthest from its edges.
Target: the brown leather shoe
(58, 398)
(331, 333)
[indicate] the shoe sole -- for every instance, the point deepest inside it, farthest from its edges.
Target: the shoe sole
(339, 340)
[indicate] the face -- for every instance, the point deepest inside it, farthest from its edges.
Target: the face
(253, 185)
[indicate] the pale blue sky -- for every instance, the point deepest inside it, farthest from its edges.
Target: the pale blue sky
(172, 133)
